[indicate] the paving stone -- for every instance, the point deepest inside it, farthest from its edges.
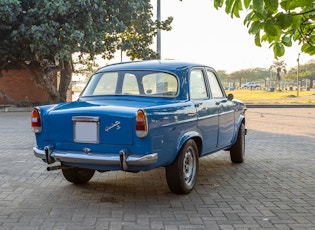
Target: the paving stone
(273, 188)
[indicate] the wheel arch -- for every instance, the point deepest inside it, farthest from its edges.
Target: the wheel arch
(240, 121)
(187, 136)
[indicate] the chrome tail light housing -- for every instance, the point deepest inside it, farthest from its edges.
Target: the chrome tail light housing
(141, 124)
(36, 121)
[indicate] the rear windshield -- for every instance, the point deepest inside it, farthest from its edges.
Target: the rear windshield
(143, 83)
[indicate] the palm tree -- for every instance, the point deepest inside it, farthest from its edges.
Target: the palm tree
(279, 66)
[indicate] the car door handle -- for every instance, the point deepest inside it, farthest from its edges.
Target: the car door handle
(198, 104)
(220, 102)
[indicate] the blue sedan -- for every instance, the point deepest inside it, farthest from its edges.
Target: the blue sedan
(139, 116)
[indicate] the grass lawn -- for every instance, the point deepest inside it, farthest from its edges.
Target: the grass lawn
(277, 97)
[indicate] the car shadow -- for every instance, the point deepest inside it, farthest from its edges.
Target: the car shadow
(124, 187)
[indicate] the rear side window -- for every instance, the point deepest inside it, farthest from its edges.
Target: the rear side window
(215, 88)
(197, 86)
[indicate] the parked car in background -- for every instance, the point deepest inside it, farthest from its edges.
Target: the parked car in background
(251, 85)
(139, 116)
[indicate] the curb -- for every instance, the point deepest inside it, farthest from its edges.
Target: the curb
(16, 109)
(280, 105)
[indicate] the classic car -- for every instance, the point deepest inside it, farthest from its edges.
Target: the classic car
(139, 116)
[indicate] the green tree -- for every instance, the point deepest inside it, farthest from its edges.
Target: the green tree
(279, 67)
(241, 75)
(42, 36)
(278, 22)
(254, 74)
(260, 74)
(224, 77)
(306, 71)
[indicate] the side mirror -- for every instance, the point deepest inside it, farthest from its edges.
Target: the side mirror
(230, 97)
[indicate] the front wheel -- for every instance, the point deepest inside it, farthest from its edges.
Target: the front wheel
(78, 175)
(181, 175)
(237, 151)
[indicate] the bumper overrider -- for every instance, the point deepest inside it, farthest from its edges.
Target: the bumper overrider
(123, 159)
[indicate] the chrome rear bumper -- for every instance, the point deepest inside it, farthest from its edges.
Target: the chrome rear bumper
(122, 159)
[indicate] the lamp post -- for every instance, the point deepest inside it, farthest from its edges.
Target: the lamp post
(158, 17)
(297, 77)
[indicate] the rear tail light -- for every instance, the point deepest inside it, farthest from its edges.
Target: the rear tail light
(36, 121)
(141, 124)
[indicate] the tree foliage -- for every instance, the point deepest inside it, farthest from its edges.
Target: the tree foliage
(278, 22)
(41, 36)
(279, 67)
(224, 76)
(241, 76)
(253, 74)
(306, 71)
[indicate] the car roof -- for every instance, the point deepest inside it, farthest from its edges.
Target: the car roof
(164, 65)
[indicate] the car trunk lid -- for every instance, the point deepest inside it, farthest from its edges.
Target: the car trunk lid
(95, 124)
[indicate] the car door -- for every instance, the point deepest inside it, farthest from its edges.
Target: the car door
(226, 114)
(207, 110)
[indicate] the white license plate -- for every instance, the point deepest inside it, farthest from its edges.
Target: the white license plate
(86, 129)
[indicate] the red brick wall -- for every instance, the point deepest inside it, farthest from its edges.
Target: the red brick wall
(19, 85)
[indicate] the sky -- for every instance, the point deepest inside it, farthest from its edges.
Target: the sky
(202, 34)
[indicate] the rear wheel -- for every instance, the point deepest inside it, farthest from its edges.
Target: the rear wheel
(78, 175)
(237, 151)
(181, 175)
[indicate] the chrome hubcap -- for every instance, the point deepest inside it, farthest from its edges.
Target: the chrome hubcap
(189, 167)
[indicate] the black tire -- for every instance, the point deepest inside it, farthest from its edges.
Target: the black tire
(237, 151)
(78, 175)
(181, 175)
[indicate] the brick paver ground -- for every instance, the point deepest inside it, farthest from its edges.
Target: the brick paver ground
(273, 189)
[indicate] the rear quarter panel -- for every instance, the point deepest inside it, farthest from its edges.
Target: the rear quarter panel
(240, 110)
(168, 125)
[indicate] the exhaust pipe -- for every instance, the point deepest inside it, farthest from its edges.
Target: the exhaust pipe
(57, 167)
